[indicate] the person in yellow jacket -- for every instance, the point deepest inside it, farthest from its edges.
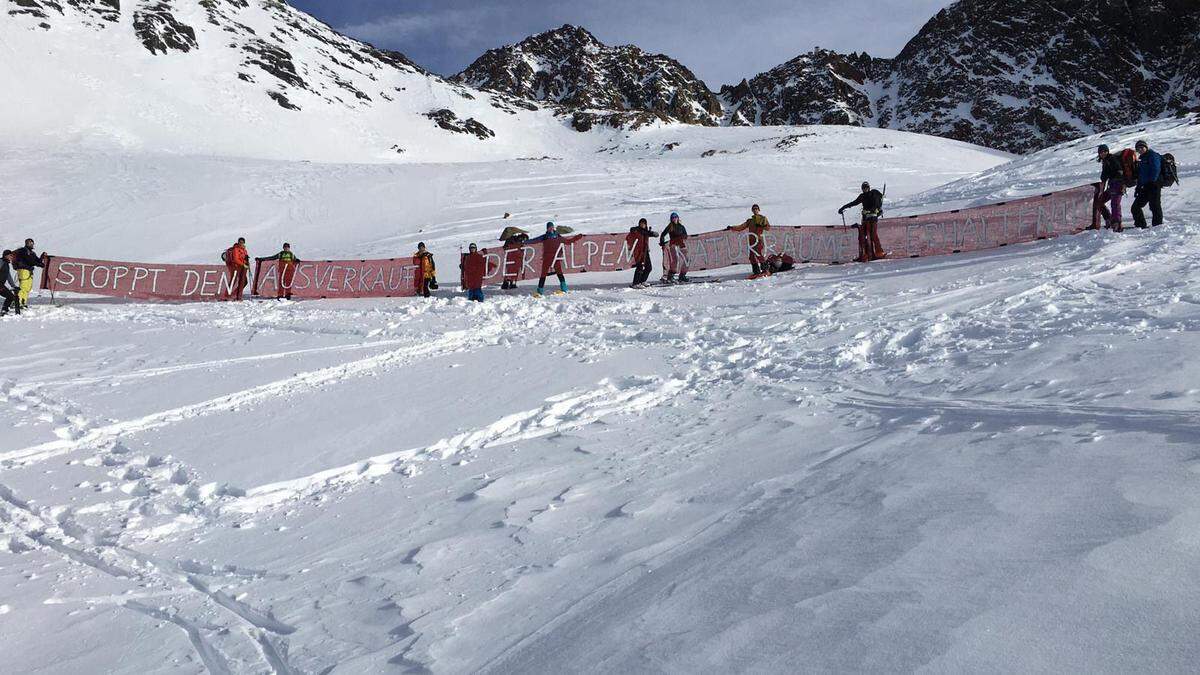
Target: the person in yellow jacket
(24, 260)
(757, 223)
(424, 259)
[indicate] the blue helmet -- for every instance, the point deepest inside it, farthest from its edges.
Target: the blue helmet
(674, 215)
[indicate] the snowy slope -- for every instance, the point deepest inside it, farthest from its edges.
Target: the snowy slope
(242, 78)
(982, 462)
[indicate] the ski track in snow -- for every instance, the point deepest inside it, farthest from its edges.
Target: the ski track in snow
(645, 518)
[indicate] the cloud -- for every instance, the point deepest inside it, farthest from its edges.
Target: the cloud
(452, 27)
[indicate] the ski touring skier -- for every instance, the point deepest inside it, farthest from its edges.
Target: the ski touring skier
(287, 271)
(1112, 188)
(868, 230)
(474, 269)
(427, 280)
(1149, 187)
(549, 252)
(24, 260)
(757, 224)
(638, 240)
(9, 285)
(673, 241)
(237, 264)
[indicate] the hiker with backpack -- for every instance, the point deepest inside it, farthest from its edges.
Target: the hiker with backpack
(1149, 187)
(1111, 189)
(9, 285)
(514, 238)
(868, 231)
(237, 264)
(638, 240)
(426, 270)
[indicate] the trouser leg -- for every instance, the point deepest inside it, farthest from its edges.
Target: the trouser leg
(873, 239)
(1140, 199)
(25, 282)
(1156, 212)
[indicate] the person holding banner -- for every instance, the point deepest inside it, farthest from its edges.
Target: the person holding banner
(674, 242)
(757, 224)
(474, 269)
(237, 262)
(638, 241)
(553, 239)
(868, 231)
(514, 238)
(24, 260)
(9, 286)
(287, 271)
(428, 270)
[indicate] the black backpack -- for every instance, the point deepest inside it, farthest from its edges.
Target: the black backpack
(1169, 174)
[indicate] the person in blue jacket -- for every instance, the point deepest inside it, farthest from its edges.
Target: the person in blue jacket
(1149, 190)
(551, 233)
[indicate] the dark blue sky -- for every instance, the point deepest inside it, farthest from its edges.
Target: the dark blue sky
(721, 40)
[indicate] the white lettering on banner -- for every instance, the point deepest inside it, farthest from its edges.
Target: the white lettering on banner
(527, 254)
(269, 281)
(590, 250)
(191, 281)
(560, 257)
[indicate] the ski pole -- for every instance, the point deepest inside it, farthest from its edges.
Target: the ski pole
(843, 220)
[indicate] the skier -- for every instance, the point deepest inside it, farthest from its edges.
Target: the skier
(24, 260)
(674, 242)
(868, 231)
(1112, 188)
(638, 239)
(514, 238)
(287, 270)
(9, 286)
(1148, 190)
(237, 264)
(474, 269)
(548, 254)
(424, 260)
(758, 224)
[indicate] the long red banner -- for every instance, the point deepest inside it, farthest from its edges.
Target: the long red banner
(970, 229)
(389, 278)
(140, 281)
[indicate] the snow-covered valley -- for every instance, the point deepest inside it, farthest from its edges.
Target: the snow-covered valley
(976, 462)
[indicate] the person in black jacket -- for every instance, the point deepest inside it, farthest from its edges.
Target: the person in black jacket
(8, 284)
(24, 260)
(1112, 188)
(673, 241)
(868, 232)
(639, 240)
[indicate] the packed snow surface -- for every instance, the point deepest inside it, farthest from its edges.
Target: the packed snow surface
(977, 462)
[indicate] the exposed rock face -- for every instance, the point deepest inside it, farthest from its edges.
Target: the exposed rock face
(449, 121)
(570, 68)
(160, 31)
(820, 87)
(1016, 76)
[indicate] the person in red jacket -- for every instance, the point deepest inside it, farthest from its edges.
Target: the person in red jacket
(474, 269)
(237, 261)
(638, 240)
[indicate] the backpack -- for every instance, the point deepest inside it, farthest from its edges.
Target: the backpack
(1129, 166)
(225, 255)
(1169, 174)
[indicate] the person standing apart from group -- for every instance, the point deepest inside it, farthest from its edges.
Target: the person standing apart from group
(474, 269)
(1112, 188)
(868, 230)
(1148, 190)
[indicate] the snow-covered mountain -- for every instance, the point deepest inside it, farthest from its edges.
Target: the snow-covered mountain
(620, 86)
(1013, 76)
(239, 77)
